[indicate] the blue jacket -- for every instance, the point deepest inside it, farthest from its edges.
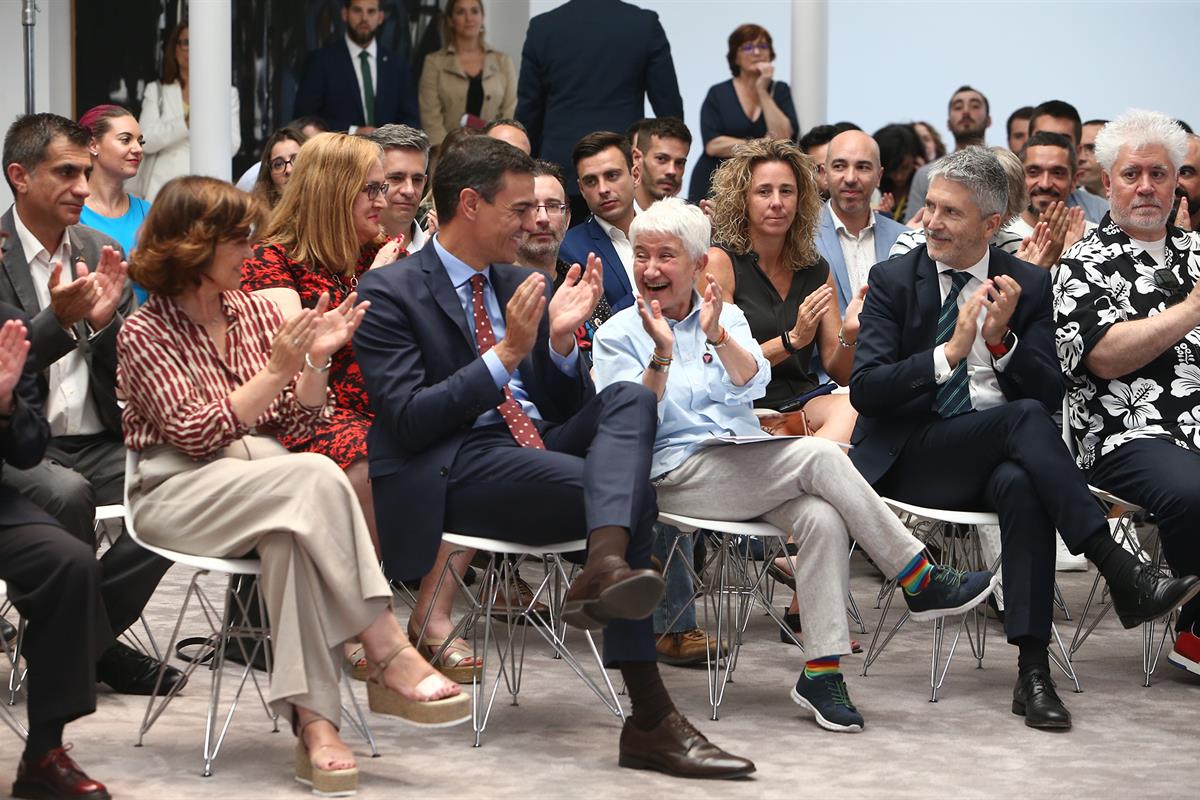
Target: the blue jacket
(591, 238)
(589, 65)
(886, 232)
(329, 88)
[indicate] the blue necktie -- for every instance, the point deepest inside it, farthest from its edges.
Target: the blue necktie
(953, 396)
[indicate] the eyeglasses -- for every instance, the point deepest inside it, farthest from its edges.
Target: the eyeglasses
(552, 209)
(373, 190)
(280, 164)
(182, 43)
(755, 47)
(1165, 280)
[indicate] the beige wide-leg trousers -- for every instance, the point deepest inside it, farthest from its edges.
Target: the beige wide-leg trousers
(806, 487)
(320, 580)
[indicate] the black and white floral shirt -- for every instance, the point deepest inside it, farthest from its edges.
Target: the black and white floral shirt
(1105, 279)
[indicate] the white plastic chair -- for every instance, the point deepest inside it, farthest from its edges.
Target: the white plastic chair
(504, 559)
(1126, 535)
(961, 553)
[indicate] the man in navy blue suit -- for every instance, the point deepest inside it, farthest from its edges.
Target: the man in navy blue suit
(487, 424)
(955, 381)
(589, 65)
(356, 84)
(604, 162)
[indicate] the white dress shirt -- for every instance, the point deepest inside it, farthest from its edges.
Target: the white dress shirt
(69, 405)
(622, 245)
(981, 367)
(355, 51)
(858, 251)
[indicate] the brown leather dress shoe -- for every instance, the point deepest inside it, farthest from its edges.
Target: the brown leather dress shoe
(611, 589)
(56, 775)
(678, 749)
(688, 648)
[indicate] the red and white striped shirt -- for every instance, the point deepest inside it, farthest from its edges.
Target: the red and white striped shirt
(177, 386)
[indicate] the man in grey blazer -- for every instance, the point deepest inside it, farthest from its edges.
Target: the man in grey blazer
(851, 237)
(76, 312)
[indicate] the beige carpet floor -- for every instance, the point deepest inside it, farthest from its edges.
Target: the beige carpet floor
(1128, 740)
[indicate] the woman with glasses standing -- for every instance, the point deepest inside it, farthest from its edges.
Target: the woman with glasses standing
(275, 168)
(750, 105)
(165, 115)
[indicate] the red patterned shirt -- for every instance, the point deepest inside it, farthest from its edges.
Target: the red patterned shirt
(177, 385)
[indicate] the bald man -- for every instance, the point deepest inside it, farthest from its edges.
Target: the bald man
(851, 237)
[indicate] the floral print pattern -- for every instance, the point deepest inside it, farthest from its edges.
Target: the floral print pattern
(1103, 280)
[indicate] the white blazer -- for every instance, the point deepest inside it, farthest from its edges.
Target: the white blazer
(168, 152)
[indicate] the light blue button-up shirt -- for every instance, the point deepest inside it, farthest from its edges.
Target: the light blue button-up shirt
(460, 274)
(700, 400)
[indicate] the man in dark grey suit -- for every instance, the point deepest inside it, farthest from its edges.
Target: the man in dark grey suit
(76, 313)
(572, 83)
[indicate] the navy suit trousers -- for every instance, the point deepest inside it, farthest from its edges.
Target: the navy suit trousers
(1009, 459)
(594, 472)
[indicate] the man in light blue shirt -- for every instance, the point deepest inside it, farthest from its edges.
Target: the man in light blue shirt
(712, 460)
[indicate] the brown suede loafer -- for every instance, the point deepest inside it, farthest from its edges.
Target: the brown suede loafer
(675, 747)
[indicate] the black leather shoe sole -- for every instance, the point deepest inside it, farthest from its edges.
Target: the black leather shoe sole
(1185, 594)
(1019, 709)
(634, 597)
(636, 762)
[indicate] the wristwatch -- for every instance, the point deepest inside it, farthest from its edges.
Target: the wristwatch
(1007, 342)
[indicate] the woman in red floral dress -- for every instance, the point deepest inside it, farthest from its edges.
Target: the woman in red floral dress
(323, 235)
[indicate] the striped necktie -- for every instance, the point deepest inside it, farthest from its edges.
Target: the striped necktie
(953, 396)
(518, 422)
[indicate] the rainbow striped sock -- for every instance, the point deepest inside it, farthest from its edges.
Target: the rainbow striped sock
(821, 666)
(915, 575)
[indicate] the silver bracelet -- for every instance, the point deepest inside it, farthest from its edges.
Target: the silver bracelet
(314, 367)
(842, 340)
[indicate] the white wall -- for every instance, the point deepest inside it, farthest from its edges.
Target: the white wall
(698, 31)
(899, 61)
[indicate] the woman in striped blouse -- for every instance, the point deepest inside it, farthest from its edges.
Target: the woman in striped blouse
(213, 376)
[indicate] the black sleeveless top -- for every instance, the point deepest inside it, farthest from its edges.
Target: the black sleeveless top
(769, 316)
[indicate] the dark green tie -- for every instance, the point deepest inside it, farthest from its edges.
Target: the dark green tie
(364, 59)
(953, 396)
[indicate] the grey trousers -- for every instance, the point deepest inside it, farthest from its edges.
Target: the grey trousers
(320, 576)
(806, 487)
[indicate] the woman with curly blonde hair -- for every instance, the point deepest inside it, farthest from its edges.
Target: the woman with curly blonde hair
(766, 205)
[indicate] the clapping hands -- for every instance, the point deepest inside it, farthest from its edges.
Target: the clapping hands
(14, 348)
(93, 295)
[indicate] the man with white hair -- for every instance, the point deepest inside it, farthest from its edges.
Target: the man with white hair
(955, 381)
(698, 356)
(1127, 312)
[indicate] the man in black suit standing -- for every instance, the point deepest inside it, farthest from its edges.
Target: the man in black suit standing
(955, 381)
(488, 424)
(589, 65)
(53, 580)
(355, 83)
(76, 314)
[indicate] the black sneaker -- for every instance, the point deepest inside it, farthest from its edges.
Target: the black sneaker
(949, 591)
(1151, 594)
(829, 700)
